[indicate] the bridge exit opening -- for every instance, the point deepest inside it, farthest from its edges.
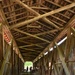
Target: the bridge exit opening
(28, 66)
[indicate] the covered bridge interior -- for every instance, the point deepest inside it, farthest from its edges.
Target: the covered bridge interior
(41, 31)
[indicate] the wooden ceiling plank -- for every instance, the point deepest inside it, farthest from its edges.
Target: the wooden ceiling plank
(56, 23)
(31, 35)
(55, 17)
(16, 15)
(39, 45)
(58, 5)
(31, 43)
(44, 15)
(29, 51)
(14, 10)
(58, 19)
(58, 13)
(30, 54)
(26, 45)
(17, 19)
(43, 33)
(47, 32)
(43, 25)
(11, 9)
(36, 13)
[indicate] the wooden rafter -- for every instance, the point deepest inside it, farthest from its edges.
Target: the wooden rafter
(44, 15)
(55, 17)
(42, 33)
(31, 35)
(57, 5)
(43, 25)
(30, 49)
(31, 45)
(31, 10)
(68, 1)
(30, 52)
(69, 24)
(58, 13)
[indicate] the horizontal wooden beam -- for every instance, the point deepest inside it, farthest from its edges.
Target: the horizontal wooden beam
(44, 15)
(41, 8)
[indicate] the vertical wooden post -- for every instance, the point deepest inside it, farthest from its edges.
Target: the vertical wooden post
(52, 61)
(68, 44)
(4, 61)
(62, 61)
(55, 70)
(1, 46)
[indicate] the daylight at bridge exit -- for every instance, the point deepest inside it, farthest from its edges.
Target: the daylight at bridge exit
(37, 37)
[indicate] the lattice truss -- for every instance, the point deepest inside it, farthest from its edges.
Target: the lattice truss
(33, 24)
